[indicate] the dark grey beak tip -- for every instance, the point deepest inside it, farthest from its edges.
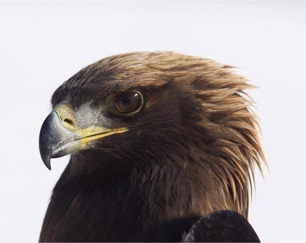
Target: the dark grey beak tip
(47, 163)
(47, 140)
(45, 154)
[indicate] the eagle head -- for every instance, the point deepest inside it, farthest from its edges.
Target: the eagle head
(177, 129)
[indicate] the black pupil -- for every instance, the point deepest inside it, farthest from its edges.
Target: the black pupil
(128, 102)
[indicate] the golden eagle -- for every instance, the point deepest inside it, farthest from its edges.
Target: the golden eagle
(157, 140)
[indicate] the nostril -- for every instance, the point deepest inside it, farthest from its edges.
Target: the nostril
(69, 122)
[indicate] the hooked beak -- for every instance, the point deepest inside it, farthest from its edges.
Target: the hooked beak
(60, 135)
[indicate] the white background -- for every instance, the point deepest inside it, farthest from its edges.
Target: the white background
(44, 43)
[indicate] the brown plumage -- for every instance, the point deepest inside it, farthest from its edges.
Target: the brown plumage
(188, 145)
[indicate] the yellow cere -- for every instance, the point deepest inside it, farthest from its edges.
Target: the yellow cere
(67, 116)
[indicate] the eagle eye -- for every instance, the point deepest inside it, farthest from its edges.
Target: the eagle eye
(127, 103)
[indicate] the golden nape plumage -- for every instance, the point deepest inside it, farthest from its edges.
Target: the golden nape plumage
(171, 135)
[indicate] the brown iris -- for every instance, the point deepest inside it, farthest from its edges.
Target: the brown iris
(127, 103)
